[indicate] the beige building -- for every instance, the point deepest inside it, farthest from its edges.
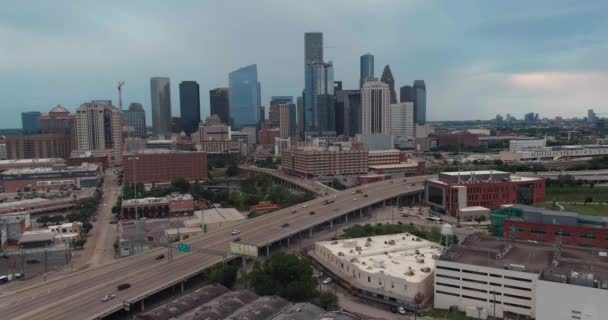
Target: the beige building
(396, 267)
(375, 107)
(99, 127)
(284, 125)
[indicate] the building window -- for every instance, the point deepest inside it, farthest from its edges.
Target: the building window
(369, 279)
(448, 285)
(445, 276)
(562, 233)
(474, 289)
(474, 298)
(539, 231)
(447, 293)
(516, 305)
(495, 275)
(475, 272)
(587, 236)
(474, 281)
(518, 279)
(516, 297)
(517, 288)
(447, 268)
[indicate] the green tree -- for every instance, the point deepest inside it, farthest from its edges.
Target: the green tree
(328, 301)
(222, 274)
(86, 227)
(232, 170)
(286, 275)
(180, 185)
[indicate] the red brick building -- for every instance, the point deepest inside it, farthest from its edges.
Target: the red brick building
(317, 161)
(266, 136)
(160, 166)
(537, 224)
(452, 191)
(461, 138)
(171, 205)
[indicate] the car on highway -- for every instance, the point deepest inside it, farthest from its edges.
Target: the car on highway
(108, 297)
(399, 310)
(311, 213)
(285, 225)
(123, 286)
(159, 257)
(237, 239)
(327, 280)
(354, 199)
(32, 261)
(470, 228)
(305, 206)
(353, 192)
(235, 232)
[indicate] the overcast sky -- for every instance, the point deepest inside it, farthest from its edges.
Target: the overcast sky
(478, 58)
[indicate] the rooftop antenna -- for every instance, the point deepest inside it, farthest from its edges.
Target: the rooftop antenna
(120, 84)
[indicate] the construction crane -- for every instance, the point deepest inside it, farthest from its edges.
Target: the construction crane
(120, 84)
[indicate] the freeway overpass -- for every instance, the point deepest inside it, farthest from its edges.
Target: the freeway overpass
(292, 182)
(78, 295)
(588, 175)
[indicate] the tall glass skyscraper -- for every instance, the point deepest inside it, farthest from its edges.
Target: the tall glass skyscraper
(29, 122)
(313, 47)
(420, 103)
(160, 94)
(189, 106)
(218, 104)
(136, 120)
(387, 77)
(244, 97)
(319, 110)
(367, 68)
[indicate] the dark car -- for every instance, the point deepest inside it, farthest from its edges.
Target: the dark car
(160, 257)
(123, 286)
(285, 225)
(32, 261)
(311, 213)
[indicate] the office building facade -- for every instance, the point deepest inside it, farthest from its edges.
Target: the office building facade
(160, 94)
(420, 101)
(244, 99)
(29, 122)
(402, 122)
(313, 47)
(319, 113)
(387, 77)
(273, 112)
(366, 68)
(136, 120)
(99, 127)
(189, 106)
(218, 104)
(375, 105)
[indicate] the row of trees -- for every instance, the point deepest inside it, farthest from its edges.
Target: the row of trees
(368, 230)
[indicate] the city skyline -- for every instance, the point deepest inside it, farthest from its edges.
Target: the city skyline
(475, 61)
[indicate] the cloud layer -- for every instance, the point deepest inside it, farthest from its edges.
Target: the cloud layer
(485, 57)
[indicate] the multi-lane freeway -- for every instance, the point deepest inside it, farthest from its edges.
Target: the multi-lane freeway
(78, 296)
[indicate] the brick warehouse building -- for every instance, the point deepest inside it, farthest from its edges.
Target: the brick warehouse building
(523, 222)
(162, 166)
(452, 191)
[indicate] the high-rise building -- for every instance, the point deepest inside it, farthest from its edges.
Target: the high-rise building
(38, 146)
(313, 47)
(218, 104)
(300, 111)
(60, 121)
(367, 68)
(375, 100)
(406, 94)
(136, 120)
(591, 116)
(352, 112)
(189, 106)
(29, 122)
(160, 94)
(244, 97)
(99, 127)
(402, 122)
(387, 77)
(319, 113)
(285, 110)
(273, 112)
(420, 101)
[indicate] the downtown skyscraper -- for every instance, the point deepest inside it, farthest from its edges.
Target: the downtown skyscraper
(387, 77)
(244, 97)
(366, 68)
(420, 102)
(375, 101)
(189, 106)
(218, 104)
(319, 113)
(160, 94)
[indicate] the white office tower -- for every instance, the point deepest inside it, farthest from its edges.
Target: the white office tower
(402, 123)
(375, 101)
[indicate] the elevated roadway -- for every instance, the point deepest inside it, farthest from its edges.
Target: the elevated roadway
(78, 296)
(292, 181)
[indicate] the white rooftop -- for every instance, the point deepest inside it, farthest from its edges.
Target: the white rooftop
(216, 215)
(474, 209)
(392, 255)
(31, 161)
(466, 173)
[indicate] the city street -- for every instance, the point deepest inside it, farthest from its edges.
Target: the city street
(99, 248)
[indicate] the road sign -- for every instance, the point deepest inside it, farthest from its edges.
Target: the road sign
(183, 247)
(243, 249)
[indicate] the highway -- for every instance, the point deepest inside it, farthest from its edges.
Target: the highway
(78, 296)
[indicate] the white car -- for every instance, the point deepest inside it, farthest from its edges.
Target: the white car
(235, 232)
(108, 297)
(327, 281)
(470, 228)
(354, 199)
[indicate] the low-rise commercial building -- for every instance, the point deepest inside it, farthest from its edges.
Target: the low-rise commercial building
(516, 145)
(29, 163)
(216, 218)
(313, 161)
(35, 146)
(554, 153)
(407, 168)
(161, 166)
(37, 239)
(538, 224)
(172, 205)
(510, 279)
(12, 226)
(398, 268)
(452, 191)
(56, 177)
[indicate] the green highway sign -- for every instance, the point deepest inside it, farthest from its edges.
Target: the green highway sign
(183, 247)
